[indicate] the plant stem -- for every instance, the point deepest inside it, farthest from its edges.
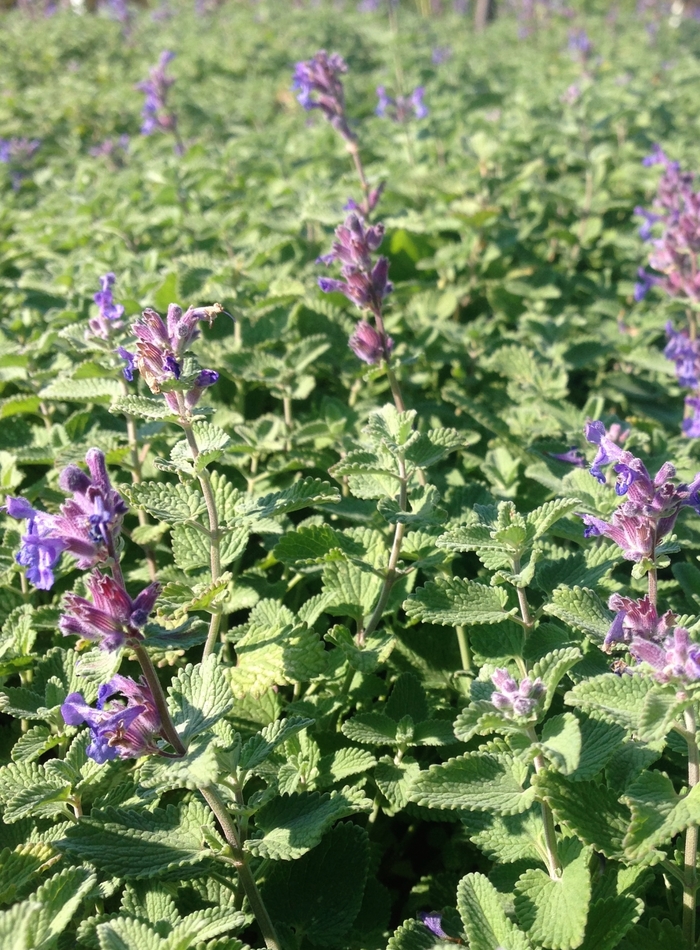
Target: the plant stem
(137, 478)
(391, 574)
(354, 150)
(212, 797)
(288, 421)
(214, 536)
(151, 676)
(653, 585)
(690, 883)
(464, 651)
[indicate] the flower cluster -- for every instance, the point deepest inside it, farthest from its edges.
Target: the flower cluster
(402, 108)
(160, 348)
(110, 313)
(317, 82)
(636, 618)
(652, 505)
(112, 619)
(676, 658)
(123, 728)
(86, 526)
(114, 149)
(513, 699)
(363, 282)
(17, 154)
(579, 45)
(155, 113)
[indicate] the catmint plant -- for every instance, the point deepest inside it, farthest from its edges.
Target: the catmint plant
(110, 313)
(156, 114)
(401, 108)
(18, 154)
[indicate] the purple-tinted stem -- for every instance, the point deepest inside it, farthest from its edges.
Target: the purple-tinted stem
(550, 835)
(359, 168)
(213, 515)
(136, 478)
(151, 676)
(690, 881)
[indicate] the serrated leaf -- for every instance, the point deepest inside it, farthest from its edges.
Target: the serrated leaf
(541, 519)
(351, 589)
(561, 742)
(484, 918)
(259, 747)
(554, 912)
(321, 892)
(507, 838)
(414, 935)
(191, 547)
(199, 696)
(371, 728)
(553, 667)
(658, 814)
(19, 867)
(82, 390)
(134, 843)
(435, 444)
(302, 494)
(660, 709)
(173, 503)
(198, 768)
(582, 609)
(455, 602)
(294, 824)
(142, 407)
(276, 657)
(479, 781)
(336, 766)
(610, 919)
(617, 699)
(390, 428)
(58, 899)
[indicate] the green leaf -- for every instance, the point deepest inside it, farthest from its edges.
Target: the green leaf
(610, 919)
(414, 935)
(371, 728)
(256, 750)
(294, 824)
(58, 899)
(142, 407)
(582, 609)
(134, 843)
(336, 766)
(590, 810)
(432, 446)
(82, 390)
(320, 893)
(197, 768)
(554, 912)
(616, 699)
(661, 708)
(174, 503)
(561, 742)
(480, 781)
(351, 589)
(454, 602)
(199, 696)
(20, 867)
(507, 838)
(552, 667)
(658, 815)
(541, 519)
(309, 546)
(485, 921)
(191, 547)
(304, 493)
(391, 429)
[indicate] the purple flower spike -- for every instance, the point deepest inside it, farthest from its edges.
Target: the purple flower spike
(691, 425)
(363, 283)
(637, 618)
(685, 353)
(402, 108)
(677, 659)
(515, 700)
(369, 345)
(125, 728)
(433, 921)
(155, 114)
(110, 314)
(571, 457)
(318, 86)
(86, 526)
(18, 155)
(112, 619)
(161, 346)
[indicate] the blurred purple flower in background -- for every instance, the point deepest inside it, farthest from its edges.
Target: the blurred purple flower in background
(110, 313)
(318, 86)
(18, 155)
(155, 113)
(402, 108)
(113, 149)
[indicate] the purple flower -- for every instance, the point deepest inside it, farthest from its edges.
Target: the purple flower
(571, 457)
(112, 619)
(110, 314)
(440, 55)
(369, 345)
(580, 45)
(513, 699)
(637, 618)
(86, 526)
(365, 283)
(433, 921)
(685, 353)
(155, 113)
(114, 149)
(18, 155)
(365, 208)
(125, 728)
(691, 424)
(402, 108)
(160, 348)
(318, 86)
(650, 220)
(676, 659)
(645, 281)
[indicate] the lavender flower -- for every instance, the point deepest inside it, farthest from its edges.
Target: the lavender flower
(571, 457)
(365, 283)
(125, 728)
(691, 424)
(109, 317)
(317, 82)
(652, 507)
(112, 619)
(580, 45)
(516, 700)
(365, 208)
(86, 527)
(160, 348)
(645, 281)
(675, 659)
(155, 113)
(113, 149)
(18, 154)
(433, 921)
(402, 108)
(637, 618)
(685, 353)
(369, 345)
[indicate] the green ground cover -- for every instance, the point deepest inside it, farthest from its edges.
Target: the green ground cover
(343, 717)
